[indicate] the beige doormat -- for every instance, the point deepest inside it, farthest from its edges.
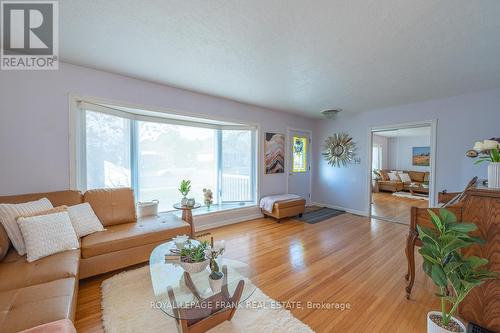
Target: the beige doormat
(127, 308)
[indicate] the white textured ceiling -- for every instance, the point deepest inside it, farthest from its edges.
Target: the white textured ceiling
(298, 56)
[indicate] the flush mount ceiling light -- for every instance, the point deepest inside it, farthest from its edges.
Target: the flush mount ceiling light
(330, 112)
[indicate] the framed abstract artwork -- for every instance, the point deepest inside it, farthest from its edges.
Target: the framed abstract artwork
(274, 151)
(421, 156)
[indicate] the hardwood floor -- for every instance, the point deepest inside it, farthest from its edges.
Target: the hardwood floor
(392, 208)
(345, 259)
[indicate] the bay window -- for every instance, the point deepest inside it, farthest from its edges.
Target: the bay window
(153, 154)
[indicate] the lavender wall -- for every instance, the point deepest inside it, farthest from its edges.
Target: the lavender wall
(401, 152)
(461, 120)
(34, 123)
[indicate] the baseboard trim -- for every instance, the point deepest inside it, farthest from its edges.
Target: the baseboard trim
(220, 219)
(348, 210)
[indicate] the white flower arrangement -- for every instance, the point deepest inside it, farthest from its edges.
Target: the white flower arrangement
(208, 197)
(481, 147)
(489, 150)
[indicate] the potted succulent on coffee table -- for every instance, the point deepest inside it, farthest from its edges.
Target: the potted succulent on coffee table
(192, 257)
(216, 276)
(453, 274)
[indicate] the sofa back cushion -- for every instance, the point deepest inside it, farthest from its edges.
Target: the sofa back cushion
(4, 242)
(417, 176)
(59, 198)
(427, 177)
(112, 206)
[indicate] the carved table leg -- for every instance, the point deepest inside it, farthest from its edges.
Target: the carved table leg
(187, 216)
(410, 257)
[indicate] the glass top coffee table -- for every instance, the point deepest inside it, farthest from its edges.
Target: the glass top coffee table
(188, 297)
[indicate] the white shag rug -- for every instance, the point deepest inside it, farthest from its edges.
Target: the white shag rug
(410, 196)
(127, 308)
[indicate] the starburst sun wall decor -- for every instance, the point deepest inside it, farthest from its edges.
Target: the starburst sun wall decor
(339, 150)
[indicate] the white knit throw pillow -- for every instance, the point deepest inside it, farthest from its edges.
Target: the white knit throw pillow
(84, 219)
(47, 234)
(10, 212)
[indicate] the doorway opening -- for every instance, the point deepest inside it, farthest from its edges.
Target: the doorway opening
(401, 171)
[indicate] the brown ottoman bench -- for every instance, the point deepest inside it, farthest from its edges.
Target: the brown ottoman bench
(286, 208)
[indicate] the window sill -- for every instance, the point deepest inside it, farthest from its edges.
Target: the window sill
(204, 210)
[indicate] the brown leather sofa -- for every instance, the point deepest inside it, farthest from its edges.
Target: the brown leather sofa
(385, 184)
(46, 290)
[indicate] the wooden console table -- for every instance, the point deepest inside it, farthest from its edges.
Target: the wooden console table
(481, 206)
(482, 305)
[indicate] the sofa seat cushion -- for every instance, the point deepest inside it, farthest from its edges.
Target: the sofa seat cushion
(390, 182)
(124, 236)
(16, 272)
(27, 307)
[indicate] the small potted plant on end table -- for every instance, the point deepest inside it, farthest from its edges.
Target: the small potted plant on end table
(184, 188)
(216, 276)
(453, 274)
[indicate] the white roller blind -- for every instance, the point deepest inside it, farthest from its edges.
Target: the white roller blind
(161, 117)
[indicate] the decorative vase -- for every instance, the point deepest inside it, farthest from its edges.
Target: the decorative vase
(190, 202)
(184, 201)
(208, 203)
(494, 175)
(432, 327)
(180, 241)
(194, 267)
(216, 285)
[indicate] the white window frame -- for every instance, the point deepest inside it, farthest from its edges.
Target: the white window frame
(78, 106)
(380, 154)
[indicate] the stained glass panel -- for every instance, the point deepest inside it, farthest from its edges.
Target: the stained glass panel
(299, 148)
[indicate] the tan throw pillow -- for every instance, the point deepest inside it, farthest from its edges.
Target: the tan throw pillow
(9, 214)
(57, 209)
(47, 234)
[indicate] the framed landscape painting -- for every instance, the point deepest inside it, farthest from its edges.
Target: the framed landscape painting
(421, 156)
(274, 158)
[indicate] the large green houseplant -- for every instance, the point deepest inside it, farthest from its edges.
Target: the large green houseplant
(454, 274)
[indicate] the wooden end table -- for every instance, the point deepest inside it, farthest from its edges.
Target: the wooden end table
(187, 215)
